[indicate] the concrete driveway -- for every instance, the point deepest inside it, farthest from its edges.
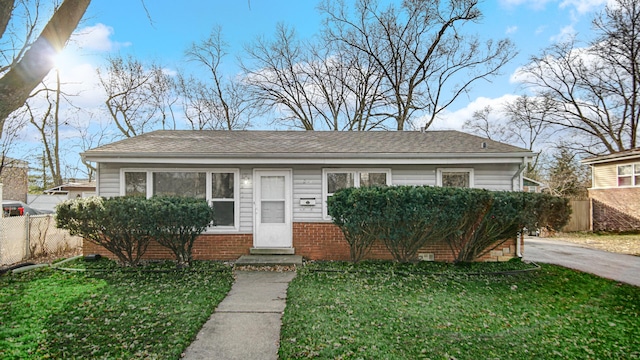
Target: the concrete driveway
(619, 267)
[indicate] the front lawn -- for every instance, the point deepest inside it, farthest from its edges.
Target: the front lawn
(117, 314)
(390, 311)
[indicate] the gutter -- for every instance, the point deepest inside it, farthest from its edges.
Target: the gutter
(517, 174)
(519, 240)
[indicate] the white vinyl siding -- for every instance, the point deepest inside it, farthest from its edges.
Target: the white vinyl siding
(109, 180)
(495, 177)
(307, 183)
(246, 200)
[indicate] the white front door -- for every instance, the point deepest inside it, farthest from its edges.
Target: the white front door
(272, 203)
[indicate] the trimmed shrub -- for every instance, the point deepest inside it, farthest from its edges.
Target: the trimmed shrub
(356, 212)
(469, 221)
(179, 221)
(119, 224)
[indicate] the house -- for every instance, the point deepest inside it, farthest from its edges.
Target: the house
(531, 185)
(74, 189)
(615, 191)
(269, 188)
(14, 179)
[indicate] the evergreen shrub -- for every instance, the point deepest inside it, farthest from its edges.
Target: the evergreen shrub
(469, 221)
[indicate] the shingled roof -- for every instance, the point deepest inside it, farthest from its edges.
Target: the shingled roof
(309, 144)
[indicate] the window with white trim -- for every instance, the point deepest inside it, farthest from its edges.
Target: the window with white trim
(629, 175)
(455, 177)
(223, 198)
(336, 179)
(218, 187)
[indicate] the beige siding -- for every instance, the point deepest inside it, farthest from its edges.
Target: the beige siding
(605, 176)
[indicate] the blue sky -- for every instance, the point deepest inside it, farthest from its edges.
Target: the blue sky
(122, 26)
(164, 32)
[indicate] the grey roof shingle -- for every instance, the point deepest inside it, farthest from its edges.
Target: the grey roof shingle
(309, 143)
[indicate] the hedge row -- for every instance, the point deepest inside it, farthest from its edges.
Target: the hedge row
(126, 225)
(469, 221)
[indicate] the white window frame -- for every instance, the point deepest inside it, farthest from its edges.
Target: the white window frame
(236, 189)
(356, 181)
(439, 172)
(634, 168)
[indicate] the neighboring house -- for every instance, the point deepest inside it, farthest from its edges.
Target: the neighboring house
(74, 189)
(615, 191)
(530, 185)
(15, 179)
(269, 188)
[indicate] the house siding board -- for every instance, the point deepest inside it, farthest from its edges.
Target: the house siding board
(605, 176)
(109, 179)
(307, 183)
(495, 176)
(246, 200)
(414, 175)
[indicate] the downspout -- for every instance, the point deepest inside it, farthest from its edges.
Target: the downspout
(517, 175)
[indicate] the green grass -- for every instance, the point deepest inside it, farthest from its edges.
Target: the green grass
(390, 311)
(114, 314)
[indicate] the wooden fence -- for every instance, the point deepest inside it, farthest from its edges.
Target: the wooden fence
(580, 216)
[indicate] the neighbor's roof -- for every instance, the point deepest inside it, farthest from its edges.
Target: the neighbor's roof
(619, 156)
(188, 144)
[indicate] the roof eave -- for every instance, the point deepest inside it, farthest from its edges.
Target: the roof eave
(610, 158)
(298, 158)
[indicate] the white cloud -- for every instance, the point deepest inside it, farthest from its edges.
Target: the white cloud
(534, 4)
(565, 34)
(511, 30)
(96, 37)
(583, 6)
(454, 119)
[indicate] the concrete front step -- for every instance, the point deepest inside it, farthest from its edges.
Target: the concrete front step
(272, 251)
(269, 260)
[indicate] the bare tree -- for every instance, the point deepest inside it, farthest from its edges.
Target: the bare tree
(30, 61)
(48, 124)
(522, 122)
(14, 125)
(137, 95)
(278, 81)
(595, 90)
(314, 85)
(425, 59)
(91, 134)
(220, 102)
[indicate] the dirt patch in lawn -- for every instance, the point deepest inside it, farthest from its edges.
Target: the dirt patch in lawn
(622, 244)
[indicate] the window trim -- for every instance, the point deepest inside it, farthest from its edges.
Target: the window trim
(439, 172)
(633, 175)
(356, 181)
(209, 199)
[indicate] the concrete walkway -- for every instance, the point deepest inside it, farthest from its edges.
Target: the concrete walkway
(246, 324)
(619, 267)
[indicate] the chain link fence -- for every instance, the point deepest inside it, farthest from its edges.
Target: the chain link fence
(24, 238)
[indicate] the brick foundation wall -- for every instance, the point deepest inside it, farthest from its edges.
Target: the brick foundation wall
(616, 209)
(314, 241)
(324, 241)
(206, 247)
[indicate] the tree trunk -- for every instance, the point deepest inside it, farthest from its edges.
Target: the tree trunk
(17, 84)
(6, 7)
